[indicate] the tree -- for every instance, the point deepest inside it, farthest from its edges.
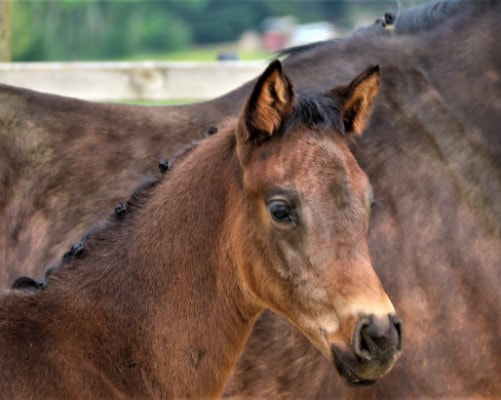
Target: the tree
(5, 30)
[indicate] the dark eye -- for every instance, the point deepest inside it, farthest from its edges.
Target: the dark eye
(280, 211)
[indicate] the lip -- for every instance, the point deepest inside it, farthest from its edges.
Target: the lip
(351, 377)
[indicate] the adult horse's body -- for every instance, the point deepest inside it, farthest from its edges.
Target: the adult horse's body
(158, 302)
(432, 154)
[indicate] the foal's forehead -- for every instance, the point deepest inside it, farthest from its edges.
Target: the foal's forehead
(317, 152)
(305, 161)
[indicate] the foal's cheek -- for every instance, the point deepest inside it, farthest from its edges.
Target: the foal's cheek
(288, 260)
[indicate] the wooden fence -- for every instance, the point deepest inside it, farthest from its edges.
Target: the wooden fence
(132, 80)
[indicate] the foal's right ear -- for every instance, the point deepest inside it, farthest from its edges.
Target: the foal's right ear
(268, 107)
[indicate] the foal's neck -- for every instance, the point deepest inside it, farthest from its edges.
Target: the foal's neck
(171, 273)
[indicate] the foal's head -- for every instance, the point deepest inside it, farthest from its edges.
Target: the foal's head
(302, 230)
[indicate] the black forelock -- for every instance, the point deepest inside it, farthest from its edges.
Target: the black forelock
(315, 110)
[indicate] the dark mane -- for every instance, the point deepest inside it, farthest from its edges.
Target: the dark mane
(314, 110)
(98, 232)
(414, 20)
(429, 15)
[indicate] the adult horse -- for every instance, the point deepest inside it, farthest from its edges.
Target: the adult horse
(432, 153)
(160, 300)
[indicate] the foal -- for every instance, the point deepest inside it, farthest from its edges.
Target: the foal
(271, 212)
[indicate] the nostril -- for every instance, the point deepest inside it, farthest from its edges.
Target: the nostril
(398, 324)
(361, 347)
(364, 346)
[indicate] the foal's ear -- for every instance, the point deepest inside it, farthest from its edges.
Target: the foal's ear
(357, 99)
(268, 107)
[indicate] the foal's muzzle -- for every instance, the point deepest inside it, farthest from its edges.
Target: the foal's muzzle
(376, 345)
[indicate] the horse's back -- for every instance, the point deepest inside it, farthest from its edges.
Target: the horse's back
(64, 162)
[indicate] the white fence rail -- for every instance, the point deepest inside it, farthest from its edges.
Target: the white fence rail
(132, 80)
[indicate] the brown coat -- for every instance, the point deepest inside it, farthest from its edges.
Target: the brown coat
(432, 154)
(158, 301)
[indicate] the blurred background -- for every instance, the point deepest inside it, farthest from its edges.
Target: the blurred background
(67, 30)
(172, 30)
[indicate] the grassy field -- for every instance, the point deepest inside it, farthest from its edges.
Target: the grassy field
(159, 102)
(205, 53)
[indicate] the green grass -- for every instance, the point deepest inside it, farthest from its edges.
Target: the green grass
(158, 102)
(206, 53)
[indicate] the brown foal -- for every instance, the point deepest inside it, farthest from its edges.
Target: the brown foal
(272, 213)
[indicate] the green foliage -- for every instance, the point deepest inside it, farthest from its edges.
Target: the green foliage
(27, 45)
(73, 30)
(225, 21)
(99, 29)
(150, 30)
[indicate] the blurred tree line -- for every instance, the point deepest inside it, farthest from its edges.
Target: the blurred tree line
(76, 29)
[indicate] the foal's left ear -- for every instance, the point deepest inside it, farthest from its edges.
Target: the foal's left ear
(357, 99)
(268, 107)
